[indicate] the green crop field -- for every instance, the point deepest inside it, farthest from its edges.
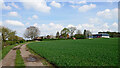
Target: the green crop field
(85, 52)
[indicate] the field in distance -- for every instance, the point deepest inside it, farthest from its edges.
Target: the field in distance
(85, 52)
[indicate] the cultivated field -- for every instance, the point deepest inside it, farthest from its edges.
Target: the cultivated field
(95, 52)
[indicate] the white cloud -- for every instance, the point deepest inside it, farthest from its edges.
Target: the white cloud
(73, 6)
(35, 17)
(14, 22)
(15, 14)
(39, 5)
(85, 8)
(78, 2)
(27, 23)
(35, 24)
(82, 2)
(55, 4)
(115, 24)
(95, 20)
(6, 7)
(70, 25)
(0, 23)
(49, 29)
(14, 5)
(108, 14)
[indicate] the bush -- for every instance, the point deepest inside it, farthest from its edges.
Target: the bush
(79, 36)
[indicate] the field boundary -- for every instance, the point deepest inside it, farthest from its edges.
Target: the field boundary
(44, 60)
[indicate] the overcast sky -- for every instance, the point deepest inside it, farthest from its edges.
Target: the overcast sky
(51, 17)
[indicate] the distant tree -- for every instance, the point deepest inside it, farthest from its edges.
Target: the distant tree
(31, 32)
(79, 36)
(72, 29)
(65, 32)
(57, 35)
(48, 36)
(87, 33)
(78, 32)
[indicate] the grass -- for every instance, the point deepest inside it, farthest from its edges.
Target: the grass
(5, 50)
(85, 52)
(19, 62)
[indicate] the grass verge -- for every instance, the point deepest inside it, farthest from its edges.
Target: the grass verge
(19, 62)
(5, 50)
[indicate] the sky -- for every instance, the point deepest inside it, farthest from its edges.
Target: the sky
(53, 16)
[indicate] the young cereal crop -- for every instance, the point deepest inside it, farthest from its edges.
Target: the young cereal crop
(96, 52)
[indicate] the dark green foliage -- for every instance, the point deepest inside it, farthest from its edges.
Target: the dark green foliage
(79, 36)
(85, 52)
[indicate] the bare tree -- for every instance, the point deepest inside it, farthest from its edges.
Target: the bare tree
(72, 29)
(31, 32)
(79, 32)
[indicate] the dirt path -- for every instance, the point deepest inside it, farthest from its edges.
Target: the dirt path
(26, 54)
(9, 59)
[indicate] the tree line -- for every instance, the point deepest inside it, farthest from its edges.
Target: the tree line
(66, 33)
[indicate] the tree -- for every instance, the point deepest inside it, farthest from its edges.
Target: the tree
(72, 29)
(78, 32)
(87, 33)
(84, 33)
(79, 36)
(65, 32)
(6, 33)
(12, 36)
(31, 32)
(57, 35)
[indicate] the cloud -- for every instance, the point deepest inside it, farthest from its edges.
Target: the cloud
(14, 14)
(38, 5)
(35, 17)
(0, 23)
(78, 2)
(27, 23)
(115, 24)
(95, 20)
(73, 6)
(14, 5)
(14, 22)
(85, 8)
(49, 29)
(55, 4)
(70, 25)
(5, 7)
(108, 14)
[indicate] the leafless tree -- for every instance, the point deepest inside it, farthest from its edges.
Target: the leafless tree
(79, 32)
(72, 29)
(31, 32)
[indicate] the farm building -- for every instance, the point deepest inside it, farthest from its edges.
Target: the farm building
(101, 36)
(38, 39)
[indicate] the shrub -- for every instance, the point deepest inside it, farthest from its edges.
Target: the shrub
(79, 36)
